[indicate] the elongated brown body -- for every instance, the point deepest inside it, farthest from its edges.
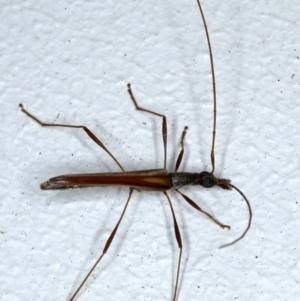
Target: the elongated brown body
(153, 179)
(156, 179)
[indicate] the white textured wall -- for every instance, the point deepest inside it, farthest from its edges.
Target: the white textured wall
(74, 59)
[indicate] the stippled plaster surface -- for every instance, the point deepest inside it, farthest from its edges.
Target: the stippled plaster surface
(70, 62)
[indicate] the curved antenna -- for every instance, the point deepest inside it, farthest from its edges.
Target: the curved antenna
(250, 217)
(212, 154)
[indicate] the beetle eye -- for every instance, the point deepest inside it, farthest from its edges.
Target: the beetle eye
(207, 181)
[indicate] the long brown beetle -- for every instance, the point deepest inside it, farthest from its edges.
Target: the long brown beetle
(153, 180)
